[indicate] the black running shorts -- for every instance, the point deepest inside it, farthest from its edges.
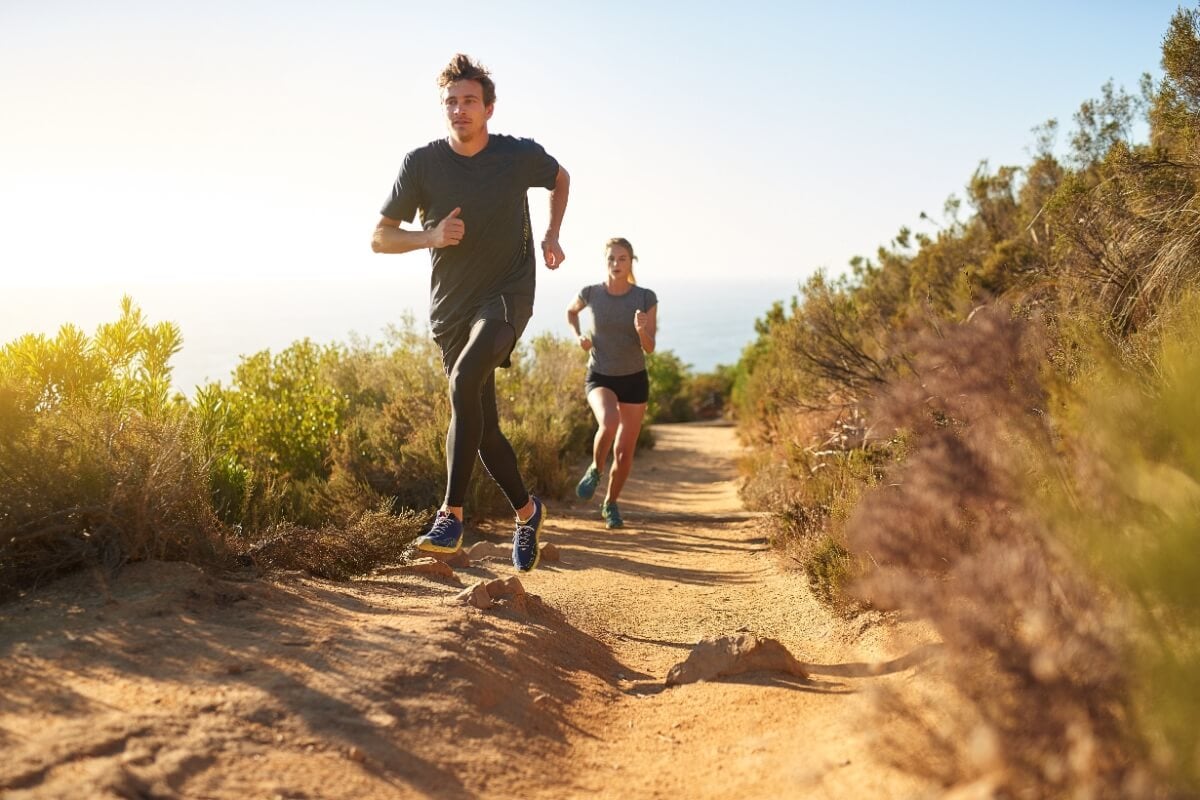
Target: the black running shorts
(633, 388)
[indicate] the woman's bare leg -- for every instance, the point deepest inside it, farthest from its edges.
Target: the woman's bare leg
(605, 408)
(630, 426)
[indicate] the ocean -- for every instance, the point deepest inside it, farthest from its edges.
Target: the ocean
(705, 323)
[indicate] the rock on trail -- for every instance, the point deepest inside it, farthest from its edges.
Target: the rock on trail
(722, 656)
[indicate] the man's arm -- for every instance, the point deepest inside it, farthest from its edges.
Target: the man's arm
(551, 251)
(389, 237)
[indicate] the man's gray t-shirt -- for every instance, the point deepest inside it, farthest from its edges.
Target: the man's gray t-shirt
(616, 349)
(496, 255)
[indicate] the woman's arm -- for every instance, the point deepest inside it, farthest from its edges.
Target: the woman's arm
(646, 324)
(573, 320)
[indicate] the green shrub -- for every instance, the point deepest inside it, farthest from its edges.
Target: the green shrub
(393, 442)
(830, 568)
(280, 412)
(670, 386)
(99, 464)
(545, 415)
(709, 392)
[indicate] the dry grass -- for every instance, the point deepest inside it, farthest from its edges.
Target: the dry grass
(372, 539)
(84, 486)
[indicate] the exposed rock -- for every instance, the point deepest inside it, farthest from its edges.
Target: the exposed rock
(549, 552)
(506, 593)
(459, 558)
(432, 567)
(489, 550)
(733, 655)
(505, 589)
(475, 595)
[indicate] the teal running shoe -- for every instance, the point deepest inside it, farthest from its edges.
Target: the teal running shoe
(612, 515)
(444, 536)
(526, 555)
(588, 483)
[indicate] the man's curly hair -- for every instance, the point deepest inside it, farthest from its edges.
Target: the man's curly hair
(462, 68)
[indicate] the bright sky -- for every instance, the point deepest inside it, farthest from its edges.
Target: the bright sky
(257, 140)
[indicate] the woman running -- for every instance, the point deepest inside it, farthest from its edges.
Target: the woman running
(624, 320)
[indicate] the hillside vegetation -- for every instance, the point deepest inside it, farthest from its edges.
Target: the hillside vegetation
(995, 425)
(323, 457)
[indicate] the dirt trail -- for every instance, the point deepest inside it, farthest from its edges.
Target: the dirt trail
(168, 683)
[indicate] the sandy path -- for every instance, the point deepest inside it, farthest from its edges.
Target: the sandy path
(168, 683)
(690, 564)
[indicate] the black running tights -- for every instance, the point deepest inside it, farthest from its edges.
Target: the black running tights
(474, 422)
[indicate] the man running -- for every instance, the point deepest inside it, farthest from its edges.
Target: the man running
(471, 191)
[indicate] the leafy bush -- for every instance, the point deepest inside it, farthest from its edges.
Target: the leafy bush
(98, 463)
(313, 458)
(709, 392)
(669, 388)
(545, 415)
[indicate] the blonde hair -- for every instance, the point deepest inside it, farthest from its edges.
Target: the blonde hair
(621, 241)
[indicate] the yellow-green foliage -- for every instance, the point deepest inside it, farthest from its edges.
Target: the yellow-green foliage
(123, 368)
(322, 457)
(1135, 507)
(269, 434)
(670, 385)
(393, 442)
(97, 461)
(544, 414)
(282, 411)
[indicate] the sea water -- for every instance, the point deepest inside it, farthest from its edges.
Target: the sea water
(704, 322)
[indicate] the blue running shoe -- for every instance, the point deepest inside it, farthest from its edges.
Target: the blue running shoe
(587, 484)
(612, 515)
(445, 536)
(526, 554)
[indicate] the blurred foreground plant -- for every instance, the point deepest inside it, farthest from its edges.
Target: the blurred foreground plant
(1134, 505)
